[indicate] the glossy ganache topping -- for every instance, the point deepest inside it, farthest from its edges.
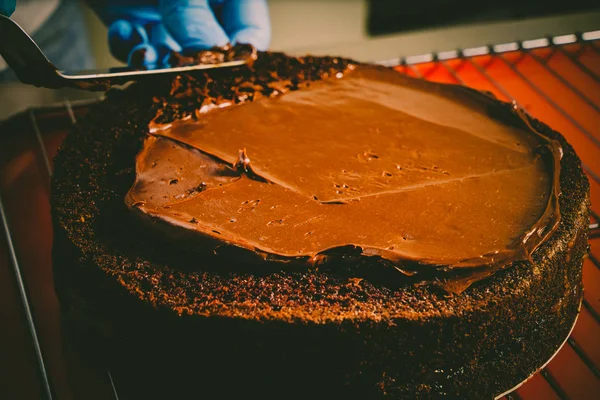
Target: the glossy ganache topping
(440, 183)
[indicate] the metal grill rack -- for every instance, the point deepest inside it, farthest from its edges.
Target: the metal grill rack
(556, 79)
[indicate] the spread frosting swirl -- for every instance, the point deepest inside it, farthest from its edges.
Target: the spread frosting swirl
(439, 183)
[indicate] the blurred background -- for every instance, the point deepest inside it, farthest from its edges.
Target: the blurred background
(368, 30)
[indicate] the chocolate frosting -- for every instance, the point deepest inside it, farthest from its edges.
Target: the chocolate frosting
(439, 182)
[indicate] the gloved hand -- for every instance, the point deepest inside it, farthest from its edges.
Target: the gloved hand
(162, 26)
(7, 7)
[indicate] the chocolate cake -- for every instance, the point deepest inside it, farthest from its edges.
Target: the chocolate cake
(317, 228)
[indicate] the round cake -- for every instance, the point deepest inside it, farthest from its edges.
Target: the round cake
(316, 228)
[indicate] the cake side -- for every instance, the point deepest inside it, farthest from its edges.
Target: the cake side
(315, 332)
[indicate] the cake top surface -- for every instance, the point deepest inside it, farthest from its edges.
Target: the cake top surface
(438, 182)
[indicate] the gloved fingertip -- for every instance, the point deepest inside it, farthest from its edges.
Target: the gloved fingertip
(163, 42)
(143, 55)
(258, 38)
(163, 55)
(247, 22)
(123, 36)
(121, 28)
(192, 24)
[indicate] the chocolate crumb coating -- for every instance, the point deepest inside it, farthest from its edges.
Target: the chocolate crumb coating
(172, 327)
(214, 56)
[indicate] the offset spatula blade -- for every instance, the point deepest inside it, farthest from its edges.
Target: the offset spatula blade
(104, 78)
(32, 67)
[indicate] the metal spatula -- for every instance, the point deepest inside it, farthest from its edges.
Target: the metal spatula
(32, 67)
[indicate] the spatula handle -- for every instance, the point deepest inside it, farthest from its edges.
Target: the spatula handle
(24, 56)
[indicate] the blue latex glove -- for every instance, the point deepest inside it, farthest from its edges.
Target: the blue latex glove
(7, 7)
(162, 26)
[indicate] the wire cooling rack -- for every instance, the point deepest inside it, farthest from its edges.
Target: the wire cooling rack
(556, 79)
